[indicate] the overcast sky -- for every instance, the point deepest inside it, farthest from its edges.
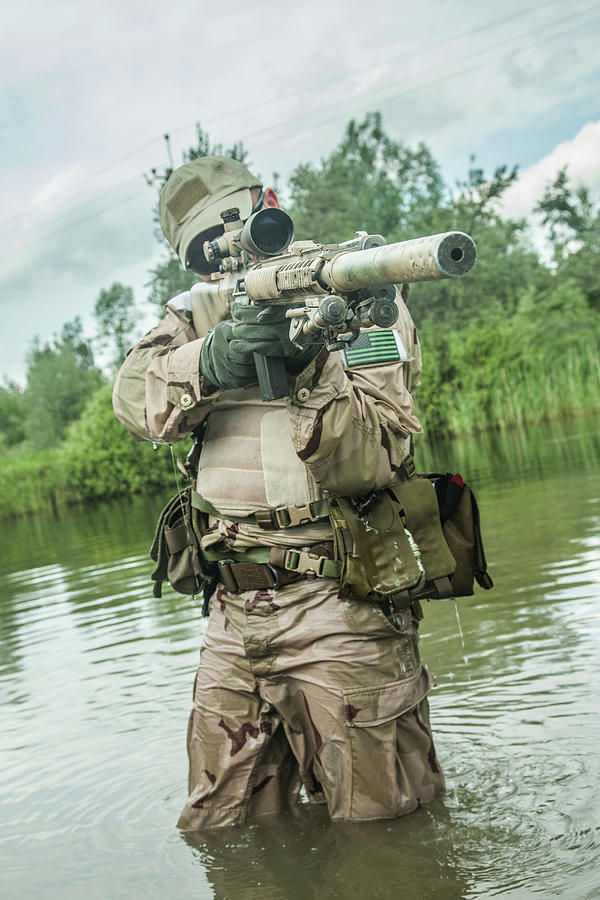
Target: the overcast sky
(87, 91)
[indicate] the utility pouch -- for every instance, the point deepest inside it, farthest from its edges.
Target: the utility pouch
(414, 539)
(394, 546)
(459, 515)
(176, 548)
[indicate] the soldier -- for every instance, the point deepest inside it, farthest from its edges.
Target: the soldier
(295, 687)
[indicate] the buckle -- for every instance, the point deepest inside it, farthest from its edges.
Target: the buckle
(226, 575)
(303, 562)
(249, 576)
(275, 575)
(288, 516)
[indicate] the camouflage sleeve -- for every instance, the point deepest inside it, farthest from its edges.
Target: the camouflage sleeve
(159, 393)
(350, 427)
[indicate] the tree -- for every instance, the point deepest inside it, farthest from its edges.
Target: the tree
(60, 377)
(104, 460)
(116, 316)
(368, 183)
(373, 183)
(167, 280)
(12, 415)
(573, 221)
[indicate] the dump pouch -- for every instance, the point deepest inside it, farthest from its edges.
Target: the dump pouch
(176, 549)
(459, 515)
(419, 513)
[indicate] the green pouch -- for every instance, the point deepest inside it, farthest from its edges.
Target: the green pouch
(377, 559)
(176, 548)
(419, 512)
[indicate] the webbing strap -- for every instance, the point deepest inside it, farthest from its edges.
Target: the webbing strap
(300, 560)
(282, 517)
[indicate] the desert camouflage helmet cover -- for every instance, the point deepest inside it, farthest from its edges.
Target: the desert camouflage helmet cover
(196, 194)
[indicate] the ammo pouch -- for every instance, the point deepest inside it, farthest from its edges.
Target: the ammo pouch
(398, 550)
(176, 549)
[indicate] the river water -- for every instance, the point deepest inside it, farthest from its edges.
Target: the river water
(95, 688)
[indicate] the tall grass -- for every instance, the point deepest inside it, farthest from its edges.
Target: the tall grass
(33, 481)
(540, 391)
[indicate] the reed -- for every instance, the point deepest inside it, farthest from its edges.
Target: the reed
(540, 390)
(33, 481)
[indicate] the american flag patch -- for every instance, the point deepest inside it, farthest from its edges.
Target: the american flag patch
(373, 348)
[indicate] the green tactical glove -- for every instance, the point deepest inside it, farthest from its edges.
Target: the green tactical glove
(265, 330)
(217, 363)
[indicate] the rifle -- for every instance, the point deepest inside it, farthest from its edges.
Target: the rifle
(331, 291)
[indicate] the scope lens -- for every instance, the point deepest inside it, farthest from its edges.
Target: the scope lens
(271, 231)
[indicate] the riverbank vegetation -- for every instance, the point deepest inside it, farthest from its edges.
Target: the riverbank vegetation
(514, 343)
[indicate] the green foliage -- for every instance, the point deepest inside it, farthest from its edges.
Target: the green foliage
(574, 231)
(116, 316)
(60, 377)
(32, 481)
(13, 411)
(568, 212)
(498, 372)
(369, 183)
(168, 279)
(104, 460)
(98, 458)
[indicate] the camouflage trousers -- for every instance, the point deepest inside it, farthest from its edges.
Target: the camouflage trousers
(297, 687)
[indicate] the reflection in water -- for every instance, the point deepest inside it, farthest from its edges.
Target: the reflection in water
(95, 681)
(304, 855)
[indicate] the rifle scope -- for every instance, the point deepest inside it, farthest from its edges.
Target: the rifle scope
(267, 232)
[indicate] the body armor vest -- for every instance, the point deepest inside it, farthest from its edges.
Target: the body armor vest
(248, 461)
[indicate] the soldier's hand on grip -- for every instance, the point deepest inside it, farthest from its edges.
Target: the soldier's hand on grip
(222, 367)
(265, 330)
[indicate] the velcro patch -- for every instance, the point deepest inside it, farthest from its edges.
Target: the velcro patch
(374, 348)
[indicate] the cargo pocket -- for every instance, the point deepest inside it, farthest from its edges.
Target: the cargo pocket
(392, 748)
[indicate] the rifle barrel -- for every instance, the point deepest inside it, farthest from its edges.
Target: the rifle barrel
(446, 255)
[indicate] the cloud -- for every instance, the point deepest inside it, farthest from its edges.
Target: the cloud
(580, 155)
(69, 259)
(50, 195)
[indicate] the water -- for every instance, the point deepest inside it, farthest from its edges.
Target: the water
(95, 688)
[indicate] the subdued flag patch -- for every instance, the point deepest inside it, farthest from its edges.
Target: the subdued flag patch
(373, 348)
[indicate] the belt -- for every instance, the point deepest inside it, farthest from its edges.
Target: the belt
(285, 566)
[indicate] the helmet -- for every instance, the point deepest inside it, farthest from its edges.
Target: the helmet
(196, 194)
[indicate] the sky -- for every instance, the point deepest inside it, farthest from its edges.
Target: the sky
(87, 92)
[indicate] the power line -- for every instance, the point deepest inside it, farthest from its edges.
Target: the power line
(71, 225)
(373, 100)
(299, 92)
(401, 55)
